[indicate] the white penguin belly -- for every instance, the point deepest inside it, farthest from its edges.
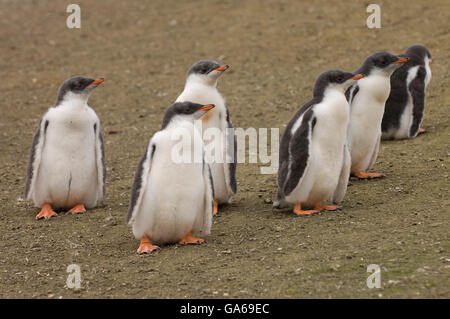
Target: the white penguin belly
(67, 174)
(365, 130)
(405, 120)
(173, 202)
(220, 187)
(169, 213)
(328, 138)
(328, 154)
(367, 111)
(326, 178)
(216, 155)
(214, 119)
(363, 142)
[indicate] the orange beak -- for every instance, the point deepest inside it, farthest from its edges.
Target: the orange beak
(222, 67)
(98, 81)
(206, 107)
(433, 58)
(357, 77)
(401, 60)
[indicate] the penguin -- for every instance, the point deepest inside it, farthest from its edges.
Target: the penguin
(404, 108)
(172, 199)
(314, 157)
(367, 99)
(66, 168)
(201, 87)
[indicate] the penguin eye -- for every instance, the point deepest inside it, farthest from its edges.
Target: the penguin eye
(189, 109)
(340, 80)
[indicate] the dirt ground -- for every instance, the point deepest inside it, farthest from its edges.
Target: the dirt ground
(276, 49)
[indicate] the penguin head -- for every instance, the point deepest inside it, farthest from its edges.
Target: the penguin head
(335, 79)
(185, 111)
(78, 88)
(206, 72)
(419, 54)
(384, 63)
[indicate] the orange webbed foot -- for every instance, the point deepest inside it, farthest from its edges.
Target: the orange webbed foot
(298, 211)
(364, 175)
(78, 209)
(189, 239)
(320, 207)
(216, 207)
(146, 247)
(46, 212)
(421, 131)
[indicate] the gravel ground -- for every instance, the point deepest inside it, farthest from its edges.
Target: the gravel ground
(276, 49)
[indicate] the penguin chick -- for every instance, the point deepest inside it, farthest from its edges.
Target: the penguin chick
(367, 99)
(314, 158)
(66, 169)
(172, 199)
(201, 87)
(406, 103)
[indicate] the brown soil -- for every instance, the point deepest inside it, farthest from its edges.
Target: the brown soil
(276, 50)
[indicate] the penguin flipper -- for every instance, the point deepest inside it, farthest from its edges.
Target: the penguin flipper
(209, 199)
(341, 188)
(351, 93)
(299, 152)
(100, 161)
(140, 181)
(231, 155)
(417, 91)
(374, 155)
(35, 157)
